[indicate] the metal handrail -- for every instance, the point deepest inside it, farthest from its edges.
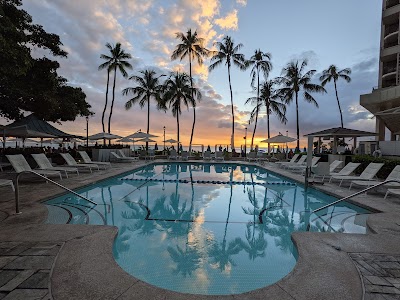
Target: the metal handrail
(351, 196)
(44, 177)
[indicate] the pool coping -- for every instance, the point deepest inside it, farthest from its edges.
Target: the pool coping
(92, 247)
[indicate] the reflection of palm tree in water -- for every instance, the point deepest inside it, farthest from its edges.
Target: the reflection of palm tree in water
(222, 255)
(255, 246)
(187, 261)
(121, 242)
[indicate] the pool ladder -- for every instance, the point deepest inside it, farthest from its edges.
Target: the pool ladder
(351, 196)
(17, 211)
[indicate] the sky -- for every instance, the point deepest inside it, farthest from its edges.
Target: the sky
(342, 32)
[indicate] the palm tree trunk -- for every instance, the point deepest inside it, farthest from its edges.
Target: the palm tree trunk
(338, 103)
(297, 122)
(255, 123)
(177, 126)
(112, 102)
(233, 114)
(194, 109)
(269, 148)
(148, 120)
(105, 105)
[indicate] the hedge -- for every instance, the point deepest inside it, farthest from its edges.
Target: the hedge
(365, 160)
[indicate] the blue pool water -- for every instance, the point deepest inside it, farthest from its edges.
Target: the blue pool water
(210, 229)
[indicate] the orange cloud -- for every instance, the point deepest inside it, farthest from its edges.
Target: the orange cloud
(228, 22)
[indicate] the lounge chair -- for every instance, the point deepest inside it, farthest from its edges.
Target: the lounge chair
(185, 155)
(122, 154)
(20, 164)
(88, 160)
(332, 167)
(72, 163)
(6, 182)
(394, 175)
(252, 156)
(115, 157)
(173, 155)
(151, 154)
(219, 155)
(207, 155)
(292, 161)
(302, 168)
(44, 164)
(392, 191)
(262, 158)
(300, 162)
(368, 174)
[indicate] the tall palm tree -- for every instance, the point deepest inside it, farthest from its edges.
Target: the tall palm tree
(259, 63)
(193, 48)
(106, 65)
(118, 61)
(147, 86)
(227, 52)
(272, 102)
(178, 92)
(294, 80)
(333, 73)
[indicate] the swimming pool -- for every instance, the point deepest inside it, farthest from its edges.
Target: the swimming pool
(209, 229)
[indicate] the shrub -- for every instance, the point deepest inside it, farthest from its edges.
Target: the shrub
(365, 160)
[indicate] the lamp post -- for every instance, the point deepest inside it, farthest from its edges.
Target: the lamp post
(245, 142)
(87, 132)
(164, 138)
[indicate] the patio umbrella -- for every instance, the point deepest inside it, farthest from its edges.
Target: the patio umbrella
(125, 140)
(104, 135)
(279, 139)
(141, 135)
(171, 141)
(147, 140)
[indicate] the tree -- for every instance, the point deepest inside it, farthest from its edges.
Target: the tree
(227, 52)
(191, 47)
(178, 92)
(293, 81)
(260, 63)
(118, 61)
(147, 86)
(32, 84)
(272, 102)
(103, 66)
(332, 73)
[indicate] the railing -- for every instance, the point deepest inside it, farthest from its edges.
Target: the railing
(391, 3)
(391, 28)
(387, 44)
(49, 180)
(351, 196)
(389, 69)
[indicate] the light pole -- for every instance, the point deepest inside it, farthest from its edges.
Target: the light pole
(245, 142)
(164, 138)
(87, 132)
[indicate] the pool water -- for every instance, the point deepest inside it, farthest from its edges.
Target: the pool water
(212, 229)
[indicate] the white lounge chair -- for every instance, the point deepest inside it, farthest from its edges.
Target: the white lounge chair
(394, 175)
(302, 167)
(368, 174)
(44, 164)
(392, 191)
(262, 158)
(207, 155)
(219, 155)
(185, 155)
(300, 162)
(71, 162)
(6, 182)
(122, 154)
(151, 154)
(173, 155)
(252, 156)
(20, 164)
(115, 157)
(346, 171)
(88, 160)
(332, 167)
(292, 161)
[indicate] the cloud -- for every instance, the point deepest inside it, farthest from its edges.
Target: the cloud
(230, 21)
(241, 2)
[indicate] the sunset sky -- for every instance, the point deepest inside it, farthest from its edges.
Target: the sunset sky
(341, 32)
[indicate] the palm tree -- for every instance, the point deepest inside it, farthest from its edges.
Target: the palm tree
(227, 52)
(118, 61)
(293, 81)
(192, 47)
(178, 92)
(268, 98)
(147, 86)
(105, 65)
(260, 63)
(332, 73)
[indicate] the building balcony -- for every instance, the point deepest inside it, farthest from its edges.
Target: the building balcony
(391, 3)
(391, 40)
(389, 68)
(390, 29)
(382, 99)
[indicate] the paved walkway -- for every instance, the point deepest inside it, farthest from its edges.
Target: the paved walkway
(79, 260)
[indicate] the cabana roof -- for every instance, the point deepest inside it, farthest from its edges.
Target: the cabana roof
(35, 124)
(341, 132)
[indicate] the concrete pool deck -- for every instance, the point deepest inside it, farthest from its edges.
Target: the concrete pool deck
(44, 261)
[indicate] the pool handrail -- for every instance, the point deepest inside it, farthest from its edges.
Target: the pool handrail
(351, 196)
(47, 179)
